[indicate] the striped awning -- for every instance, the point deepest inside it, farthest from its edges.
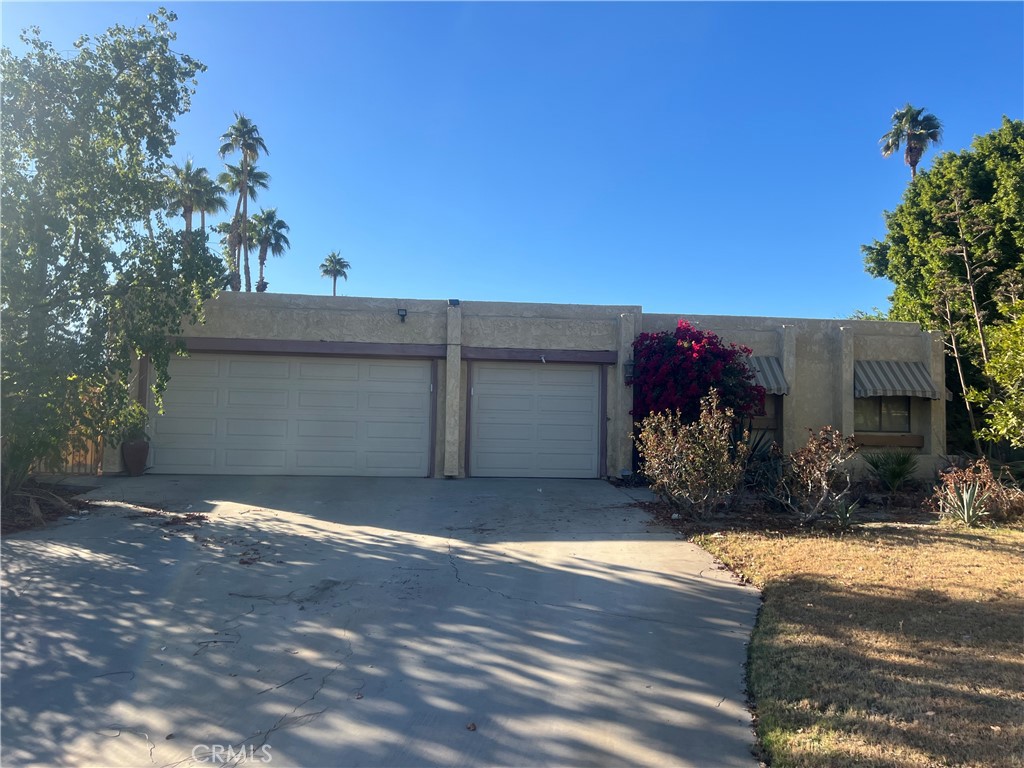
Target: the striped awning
(768, 373)
(892, 378)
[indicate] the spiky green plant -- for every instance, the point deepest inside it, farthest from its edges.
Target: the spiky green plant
(843, 512)
(965, 503)
(892, 468)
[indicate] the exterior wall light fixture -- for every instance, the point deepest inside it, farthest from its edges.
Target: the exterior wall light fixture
(402, 314)
(627, 371)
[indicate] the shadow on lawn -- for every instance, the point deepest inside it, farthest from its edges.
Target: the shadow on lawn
(896, 669)
(341, 646)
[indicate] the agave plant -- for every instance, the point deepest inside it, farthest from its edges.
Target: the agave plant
(966, 503)
(843, 512)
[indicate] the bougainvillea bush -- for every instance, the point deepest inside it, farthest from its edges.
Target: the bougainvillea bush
(673, 371)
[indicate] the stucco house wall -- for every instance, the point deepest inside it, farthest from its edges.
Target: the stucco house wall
(817, 356)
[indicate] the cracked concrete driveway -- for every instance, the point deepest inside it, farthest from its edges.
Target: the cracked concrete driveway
(360, 622)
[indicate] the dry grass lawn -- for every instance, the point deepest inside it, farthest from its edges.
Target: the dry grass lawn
(893, 645)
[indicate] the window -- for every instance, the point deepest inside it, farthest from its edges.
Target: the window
(881, 414)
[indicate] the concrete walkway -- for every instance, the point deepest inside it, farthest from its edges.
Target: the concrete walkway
(362, 622)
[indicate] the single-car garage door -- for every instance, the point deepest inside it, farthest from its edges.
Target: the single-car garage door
(535, 420)
(275, 415)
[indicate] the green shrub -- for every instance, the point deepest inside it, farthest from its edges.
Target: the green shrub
(693, 466)
(893, 469)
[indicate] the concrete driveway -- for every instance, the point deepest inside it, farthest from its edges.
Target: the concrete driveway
(361, 622)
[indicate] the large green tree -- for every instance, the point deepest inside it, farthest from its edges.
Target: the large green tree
(93, 277)
(1005, 368)
(244, 137)
(955, 242)
(915, 130)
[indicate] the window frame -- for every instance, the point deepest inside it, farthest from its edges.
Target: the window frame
(879, 402)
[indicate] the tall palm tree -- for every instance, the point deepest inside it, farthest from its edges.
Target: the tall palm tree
(914, 128)
(209, 199)
(184, 184)
(334, 267)
(243, 136)
(234, 179)
(269, 233)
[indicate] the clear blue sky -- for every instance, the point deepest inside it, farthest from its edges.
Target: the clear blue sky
(690, 157)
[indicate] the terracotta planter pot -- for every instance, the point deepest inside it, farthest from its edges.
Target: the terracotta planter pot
(134, 454)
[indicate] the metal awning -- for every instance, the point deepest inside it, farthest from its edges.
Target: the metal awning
(768, 373)
(892, 378)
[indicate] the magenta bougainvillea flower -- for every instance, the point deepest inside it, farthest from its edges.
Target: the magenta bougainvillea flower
(674, 370)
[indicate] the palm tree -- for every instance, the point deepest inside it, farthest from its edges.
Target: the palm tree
(334, 267)
(184, 183)
(912, 127)
(209, 199)
(234, 179)
(243, 136)
(269, 233)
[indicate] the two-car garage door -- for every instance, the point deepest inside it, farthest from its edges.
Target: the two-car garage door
(277, 415)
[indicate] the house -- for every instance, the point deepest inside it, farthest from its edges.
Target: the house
(318, 385)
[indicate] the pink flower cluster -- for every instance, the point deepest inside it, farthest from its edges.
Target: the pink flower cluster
(674, 370)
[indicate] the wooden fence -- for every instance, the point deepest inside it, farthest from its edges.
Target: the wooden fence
(82, 461)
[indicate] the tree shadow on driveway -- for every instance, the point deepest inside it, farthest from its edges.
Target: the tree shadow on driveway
(473, 633)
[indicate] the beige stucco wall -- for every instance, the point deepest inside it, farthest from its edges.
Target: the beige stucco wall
(817, 355)
(327, 318)
(818, 358)
(541, 326)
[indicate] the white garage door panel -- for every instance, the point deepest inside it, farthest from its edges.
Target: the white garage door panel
(327, 429)
(345, 371)
(248, 414)
(510, 433)
(326, 459)
(257, 428)
(186, 395)
(566, 462)
(535, 420)
(170, 425)
(492, 460)
(205, 365)
(262, 398)
(570, 432)
(329, 400)
(561, 407)
(263, 459)
(258, 369)
(194, 458)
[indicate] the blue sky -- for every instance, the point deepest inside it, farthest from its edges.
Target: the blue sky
(705, 158)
